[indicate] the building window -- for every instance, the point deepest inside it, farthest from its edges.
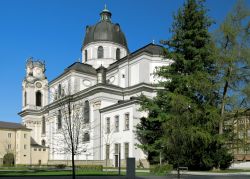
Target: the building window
(86, 112)
(127, 121)
(25, 98)
(108, 125)
(9, 146)
(24, 136)
(86, 137)
(118, 54)
(117, 148)
(126, 150)
(25, 146)
(59, 119)
(35, 149)
(116, 123)
(59, 90)
(43, 143)
(39, 149)
(100, 52)
(43, 125)
(123, 75)
(44, 149)
(38, 98)
(107, 151)
(9, 135)
(86, 55)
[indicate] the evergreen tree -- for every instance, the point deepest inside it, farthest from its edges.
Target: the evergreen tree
(184, 113)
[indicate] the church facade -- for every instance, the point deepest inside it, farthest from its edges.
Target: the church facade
(106, 86)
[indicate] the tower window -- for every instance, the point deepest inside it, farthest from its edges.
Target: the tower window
(38, 98)
(86, 112)
(118, 54)
(100, 52)
(43, 125)
(86, 137)
(25, 98)
(86, 55)
(43, 143)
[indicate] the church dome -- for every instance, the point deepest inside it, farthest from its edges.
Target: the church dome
(105, 30)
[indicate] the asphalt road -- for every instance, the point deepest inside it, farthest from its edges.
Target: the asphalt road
(235, 176)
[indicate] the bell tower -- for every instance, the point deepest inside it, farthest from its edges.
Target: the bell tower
(35, 86)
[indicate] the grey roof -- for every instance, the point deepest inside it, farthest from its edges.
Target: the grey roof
(81, 67)
(12, 125)
(105, 30)
(33, 143)
(151, 49)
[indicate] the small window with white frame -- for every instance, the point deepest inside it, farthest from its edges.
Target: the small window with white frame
(108, 125)
(117, 123)
(126, 121)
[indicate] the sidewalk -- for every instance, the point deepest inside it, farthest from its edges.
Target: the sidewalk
(211, 173)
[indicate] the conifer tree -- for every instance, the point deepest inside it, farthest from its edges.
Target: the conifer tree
(184, 113)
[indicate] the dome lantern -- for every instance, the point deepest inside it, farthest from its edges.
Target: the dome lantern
(105, 14)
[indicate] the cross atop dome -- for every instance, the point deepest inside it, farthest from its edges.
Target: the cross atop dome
(105, 14)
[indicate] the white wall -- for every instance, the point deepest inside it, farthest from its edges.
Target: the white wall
(109, 53)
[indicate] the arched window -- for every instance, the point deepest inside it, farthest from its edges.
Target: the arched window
(38, 98)
(118, 54)
(86, 55)
(86, 112)
(25, 98)
(43, 143)
(86, 137)
(43, 125)
(100, 52)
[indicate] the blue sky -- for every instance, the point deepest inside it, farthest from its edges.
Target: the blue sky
(53, 30)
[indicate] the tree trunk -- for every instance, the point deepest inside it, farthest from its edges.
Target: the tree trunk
(225, 89)
(73, 166)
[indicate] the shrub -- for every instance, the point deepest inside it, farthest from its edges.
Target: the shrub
(90, 167)
(60, 166)
(161, 169)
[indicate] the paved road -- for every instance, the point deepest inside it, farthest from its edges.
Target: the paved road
(141, 177)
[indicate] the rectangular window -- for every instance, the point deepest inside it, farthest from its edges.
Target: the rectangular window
(117, 148)
(25, 146)
(9, 146)
(43, 125)
(116, 123)
(59, 119)
(127, 121)
(108, 125)
(126, 150)
(44, 149)
(35, 149)
(107, 151)
(9, 135)
(25, 135)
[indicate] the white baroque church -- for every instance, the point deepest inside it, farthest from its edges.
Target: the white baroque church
(107, 81)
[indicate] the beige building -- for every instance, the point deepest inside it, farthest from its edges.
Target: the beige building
(15, 138)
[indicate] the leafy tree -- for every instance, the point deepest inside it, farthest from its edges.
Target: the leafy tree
(182, 120)
(9, 159)
(233, 43)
